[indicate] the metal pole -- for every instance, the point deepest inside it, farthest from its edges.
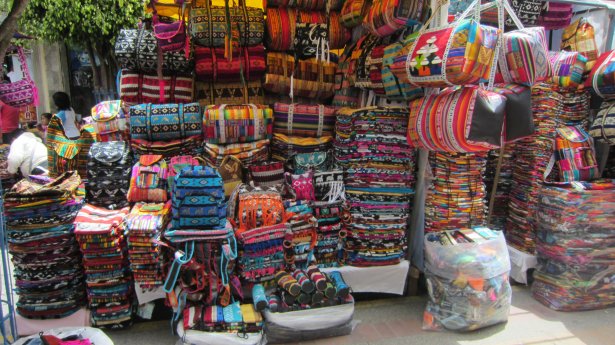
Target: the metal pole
(7, 281)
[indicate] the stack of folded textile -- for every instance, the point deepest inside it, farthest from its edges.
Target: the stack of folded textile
(48, 271)
(100, 233)
(551, 108)
(371, 146)
(300, 240)
(502, 194)
(575, 241)
(456, 198)
(145, 223)
(328, 209)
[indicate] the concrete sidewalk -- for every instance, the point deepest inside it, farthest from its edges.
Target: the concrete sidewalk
(398, 321)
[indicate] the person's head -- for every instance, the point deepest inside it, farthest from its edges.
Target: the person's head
(61, 100)
(15, 134)
(45, 118)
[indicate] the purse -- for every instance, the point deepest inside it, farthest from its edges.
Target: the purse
(171, 37)
(23, 92)
(303, 120)
(232, 93)
(603, 127)
(459, 54)
(109, 121)
(385, 17)
(602, 76)
(313, 161)
(157, 122)
(137, 50)
(137, 88)
(311, 78)
(580, 37)
(212, 65)
(64, 154)
(374, 63)
(567, 68)
(209, 24)
(228, 124)
(555, 15)
(353, 12)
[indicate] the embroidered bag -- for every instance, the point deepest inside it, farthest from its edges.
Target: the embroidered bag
(231, 171)
(302, 184)
(374, 63)
(171, 36)
(228, 124)
(459, 54)
(303, 120)
(109, 121)
(602, 76)
(258, 207)
(353, 12)
(155, 122)
(385, 17)
(137, 88)
(555, 15)
(580, 37)
(109, 166)
(311, 40)
(567, 68)
(148, 181)
(22, 92)
(231, 93)
(313, 161)
(198, 199)
(175, 166)
(329, 186)
(209, 24)
(212, 65)
(267, 174)
(603, 128)
(64, 154)
(574, 154)
(137, 50)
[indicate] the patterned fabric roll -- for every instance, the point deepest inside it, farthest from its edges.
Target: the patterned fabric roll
(227, 124)
(311, 78)
(138, 88)
(64, 154)
(303, 120)
(154, 122)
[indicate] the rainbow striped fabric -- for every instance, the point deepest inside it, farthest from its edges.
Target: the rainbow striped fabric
(227, 124)
(523, 57)
(567, 68)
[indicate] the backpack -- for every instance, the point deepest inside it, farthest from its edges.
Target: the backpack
(177, 164)
(149, 180)
(198, 199)
(108, 171)
(574, 155)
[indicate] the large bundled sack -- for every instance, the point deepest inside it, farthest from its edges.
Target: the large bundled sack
(65, 154)
(212, 64)
(230, 124)
(155, 122)
(208, 24)
(312, 78)
(468, 282)
(109, 166)
(303, 120)
(137, 88)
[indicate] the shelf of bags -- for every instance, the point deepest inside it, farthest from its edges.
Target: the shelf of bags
(379, 279)
(80, 318)
(520, 263)
(216, 338)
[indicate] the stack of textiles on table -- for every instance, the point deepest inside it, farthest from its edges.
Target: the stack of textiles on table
(145, 223)
(574, 241)
(456, 198)
(48, 271)
(551, 108)
(100, 233)
(371, 147)
(235, 317)
(502, 194)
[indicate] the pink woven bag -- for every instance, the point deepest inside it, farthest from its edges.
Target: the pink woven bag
(22, 92)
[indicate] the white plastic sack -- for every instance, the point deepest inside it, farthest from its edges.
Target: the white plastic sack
(312, 319)
(191, 337)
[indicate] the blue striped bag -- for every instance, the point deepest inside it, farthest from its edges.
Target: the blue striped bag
(198, 199)
(163, 122)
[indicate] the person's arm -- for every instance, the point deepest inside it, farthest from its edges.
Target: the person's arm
(16, 157)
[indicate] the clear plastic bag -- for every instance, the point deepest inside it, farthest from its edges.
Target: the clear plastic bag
(192, 337)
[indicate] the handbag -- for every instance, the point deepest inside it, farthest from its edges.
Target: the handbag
(137, 50)
(580, 37)
(523, 57)
(555, 15)
(519, 120)
(156, 122)
(353, 12)
(311, 78)
(464, 119)
(109, 166)
(136, 88)
(346, 94)
(282, 27)
(171, 37)
(228, 124)
(64, 154)
(385, 17)
(212, 65)
(394, 77)
(267, 174)
(374, 63)
(574, 155)
(567, 68)
(314, 161)
(603, 127)
(231, 171)
(109, 121)
(303, 120)
(602, 76)
(459, 54)
(23, 92)
(232, 93)
(209, 24)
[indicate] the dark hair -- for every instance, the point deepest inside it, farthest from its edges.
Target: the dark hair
(15, 134)
(47, 116)
(61, 100)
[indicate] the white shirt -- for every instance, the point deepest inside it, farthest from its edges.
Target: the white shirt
(69, 122)
(26, 153)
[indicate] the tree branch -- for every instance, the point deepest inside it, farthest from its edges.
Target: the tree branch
(9, 25)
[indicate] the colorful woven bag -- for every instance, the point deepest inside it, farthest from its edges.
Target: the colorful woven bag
(209, 24)
(567, 68)
(136, 88)
(374, 62)
(603, 128)
(228, 124)
(175, 166)
(109, 121)
(459, 54)
(198, 199)
(602, 76)
(22, 92)
(267, 174)
(353, 12)
(247, 153)
(580, 37)
(574, 155)
(394, 77)
(148, 181)
(309, 5)
(154, 122)
(231, 171)
(235, 93)
(171, 36)
(303, 120)
(109, 166)
(258, 207)
(168, 148)
(64, 154)
(466, 119)
(385, 17)
(283, 147)
(311, 78)
(212, 65)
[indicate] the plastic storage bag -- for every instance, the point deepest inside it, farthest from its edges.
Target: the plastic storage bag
(192, 337)
(468, 284)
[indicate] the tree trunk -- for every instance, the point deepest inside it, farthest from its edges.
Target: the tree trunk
(9, 25)
(95, 72)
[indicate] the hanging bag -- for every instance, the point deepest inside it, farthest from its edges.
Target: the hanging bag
(385, 17)
(603, 128)
(303, 120)
(64, 154)
(580, 37)
(23, 92)
(137, 88)
(602, 76)
(137, 50)
(353, 12)
(555, 15)
(171, 36)
(209, 25)
(567, 68)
